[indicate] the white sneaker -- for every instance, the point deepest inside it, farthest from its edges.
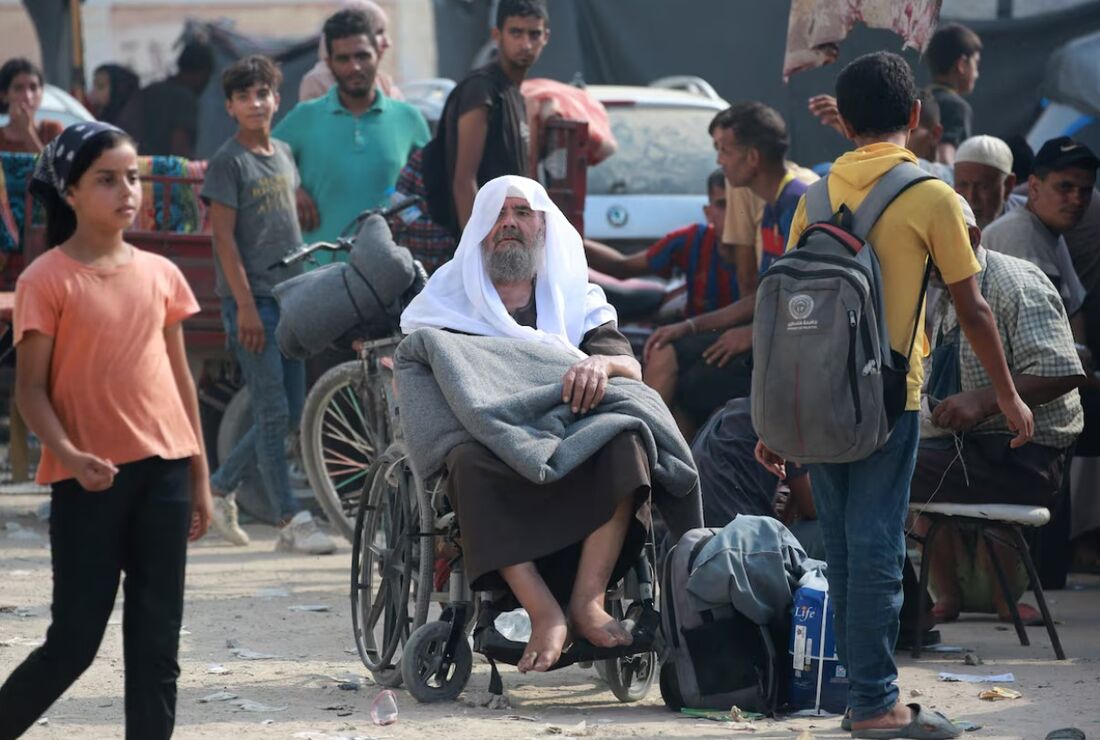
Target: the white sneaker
(301, 534)
(225, 520)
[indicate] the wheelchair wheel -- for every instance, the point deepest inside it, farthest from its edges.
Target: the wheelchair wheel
(630, 678)
(337, 448)
(422, 664)
(382, 573)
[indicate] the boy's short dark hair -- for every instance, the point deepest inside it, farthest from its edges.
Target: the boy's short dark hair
(949, 42)
(345, 23)
(197, 57)
(255, 69)
(929, 110)
(522, 8)
(716, 181)
(755, 125)
(875, 93)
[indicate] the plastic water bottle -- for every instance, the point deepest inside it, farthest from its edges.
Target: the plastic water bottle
(514, 625)
(383, 710)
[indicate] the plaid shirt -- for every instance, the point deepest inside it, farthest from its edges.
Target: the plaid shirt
(1031, 320)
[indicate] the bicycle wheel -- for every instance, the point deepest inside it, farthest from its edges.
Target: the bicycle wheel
(382, 572)
(337, 445)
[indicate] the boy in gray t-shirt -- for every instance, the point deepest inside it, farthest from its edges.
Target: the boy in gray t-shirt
(250, 187)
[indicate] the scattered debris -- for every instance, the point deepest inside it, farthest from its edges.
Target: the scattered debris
(966, 725)
(19, 573)
(915, 693)
(43, 722)
(997, 694)
(947, 649)
(216, 669)
(972, 678)
(383, 710)
(246, 654)
(518, 718)
(735, 714)
(578, 730)
(247, 705)
(973, 659)
(348, 686)
(184, 632)
(231, 643)
(21, 642)
(217, 696)
(309, 608)
(485, 700)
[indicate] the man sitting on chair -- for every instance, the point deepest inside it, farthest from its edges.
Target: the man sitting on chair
(965, 454)
(520, 273)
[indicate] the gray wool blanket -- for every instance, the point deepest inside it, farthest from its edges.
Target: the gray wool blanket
(506, 394)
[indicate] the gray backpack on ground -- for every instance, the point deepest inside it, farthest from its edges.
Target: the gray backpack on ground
(714, 658)
(826, 385)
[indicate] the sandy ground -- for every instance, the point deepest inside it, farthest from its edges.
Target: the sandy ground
(245, 595)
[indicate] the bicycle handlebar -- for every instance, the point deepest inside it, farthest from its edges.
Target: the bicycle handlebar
(343, 242)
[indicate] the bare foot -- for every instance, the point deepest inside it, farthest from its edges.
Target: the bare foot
(549, 632)
(899, 716)
(945, 611)
(591, 622)
(1029, 615)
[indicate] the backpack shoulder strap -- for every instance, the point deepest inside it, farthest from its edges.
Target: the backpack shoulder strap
(895, 182)
(818, 205)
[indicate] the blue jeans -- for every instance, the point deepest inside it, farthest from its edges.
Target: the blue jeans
(276, 388)
(862, 508)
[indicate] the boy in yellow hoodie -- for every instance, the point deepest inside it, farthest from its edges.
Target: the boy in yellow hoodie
(862, 506)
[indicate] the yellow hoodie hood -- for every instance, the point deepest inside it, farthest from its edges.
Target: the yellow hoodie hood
(859, 169)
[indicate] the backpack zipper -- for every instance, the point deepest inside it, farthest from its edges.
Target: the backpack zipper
(832, 259)
(795, 272)
(853, 382)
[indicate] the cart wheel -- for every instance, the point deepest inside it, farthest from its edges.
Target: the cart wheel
(426, 678)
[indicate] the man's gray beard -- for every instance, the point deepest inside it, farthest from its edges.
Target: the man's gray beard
(514, 264)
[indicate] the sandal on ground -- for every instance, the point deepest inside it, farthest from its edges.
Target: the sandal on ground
(1066, 733)
(925, 725)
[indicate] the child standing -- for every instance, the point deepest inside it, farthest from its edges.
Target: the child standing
(102, 379)
(250, 185)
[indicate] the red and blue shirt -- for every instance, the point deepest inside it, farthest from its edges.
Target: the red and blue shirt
(775, 226)
(693, 250)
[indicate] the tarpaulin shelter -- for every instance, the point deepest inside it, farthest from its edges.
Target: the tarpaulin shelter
(738, 46)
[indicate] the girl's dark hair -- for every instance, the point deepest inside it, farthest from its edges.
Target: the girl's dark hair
(124, 83)
(12, 69)
(60, 217)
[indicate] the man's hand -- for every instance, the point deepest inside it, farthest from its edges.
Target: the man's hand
(665, 335)
(1019, 418)
(827, 112)
(91, 472)
(585, 383)
(731, 343)
(308, 217)
(202, 508)
(250, 329)
(960, 412)
(772, 462)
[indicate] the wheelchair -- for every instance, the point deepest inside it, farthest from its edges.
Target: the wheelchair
(407, 563)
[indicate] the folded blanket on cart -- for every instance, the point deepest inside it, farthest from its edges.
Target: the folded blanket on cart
(506, 394)
(364, 296)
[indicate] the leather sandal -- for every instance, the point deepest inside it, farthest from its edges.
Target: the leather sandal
(925, 725)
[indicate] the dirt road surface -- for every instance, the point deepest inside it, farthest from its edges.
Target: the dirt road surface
(245, 597)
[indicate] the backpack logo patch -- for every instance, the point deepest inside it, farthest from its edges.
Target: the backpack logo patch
(800, 306)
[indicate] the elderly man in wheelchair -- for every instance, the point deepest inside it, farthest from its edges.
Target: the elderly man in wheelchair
(516, 383)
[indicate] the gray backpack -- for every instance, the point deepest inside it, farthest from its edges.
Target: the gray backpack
(826, 385)
(715, 658)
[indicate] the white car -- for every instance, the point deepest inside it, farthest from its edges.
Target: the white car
(59, 106)
(656, 181)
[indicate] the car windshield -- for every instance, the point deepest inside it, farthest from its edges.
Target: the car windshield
(662, 151)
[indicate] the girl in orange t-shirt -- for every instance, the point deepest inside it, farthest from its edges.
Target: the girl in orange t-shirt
(102, 379)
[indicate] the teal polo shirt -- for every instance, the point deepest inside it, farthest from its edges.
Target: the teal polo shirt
(349, 163)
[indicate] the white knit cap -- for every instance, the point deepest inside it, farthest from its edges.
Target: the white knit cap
(968, 212)
(987, 150)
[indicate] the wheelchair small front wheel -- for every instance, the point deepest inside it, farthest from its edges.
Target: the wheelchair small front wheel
(629, 678)
(426, 673)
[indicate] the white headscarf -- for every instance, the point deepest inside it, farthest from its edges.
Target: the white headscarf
(460, 296)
